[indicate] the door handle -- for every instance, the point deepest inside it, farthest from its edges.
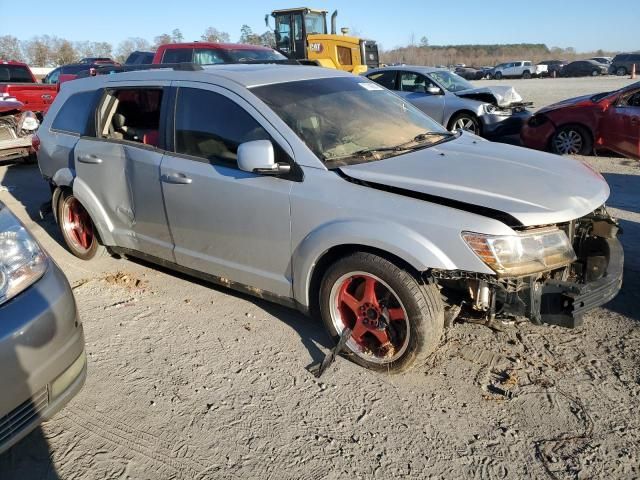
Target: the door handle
(91, 159)
(178, 178)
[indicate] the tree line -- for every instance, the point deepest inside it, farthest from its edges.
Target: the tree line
(51, 51)
(481, 55)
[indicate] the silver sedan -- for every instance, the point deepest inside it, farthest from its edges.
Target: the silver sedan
(454, 102)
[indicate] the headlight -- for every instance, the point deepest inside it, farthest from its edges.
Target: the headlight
(22, 262)
(522, 254)
(493, 110)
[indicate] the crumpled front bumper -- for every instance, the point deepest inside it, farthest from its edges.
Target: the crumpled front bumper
(565, 303)
(494, 125)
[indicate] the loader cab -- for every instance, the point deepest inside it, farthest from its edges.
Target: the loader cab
(292, 27)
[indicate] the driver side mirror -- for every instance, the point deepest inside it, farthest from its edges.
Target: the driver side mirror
(258, 156)
(433, 90)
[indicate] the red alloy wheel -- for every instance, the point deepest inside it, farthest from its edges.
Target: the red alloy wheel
(372, 310)
(77, 224)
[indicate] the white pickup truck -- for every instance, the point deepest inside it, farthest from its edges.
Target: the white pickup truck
(519, 69)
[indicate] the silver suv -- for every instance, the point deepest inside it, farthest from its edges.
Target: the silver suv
(328, 193)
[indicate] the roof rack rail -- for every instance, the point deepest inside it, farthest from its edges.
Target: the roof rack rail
(108, 69)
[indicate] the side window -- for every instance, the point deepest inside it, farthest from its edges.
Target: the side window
(73, 116)
(52, 77)
(527, 64)
(178, 55)
(386, 79)
(211, 126)
(413, 82)
(283, 32)
(297, 27)
(131, 114)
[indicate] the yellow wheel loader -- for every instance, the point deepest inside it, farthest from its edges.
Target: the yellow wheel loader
(301, 34)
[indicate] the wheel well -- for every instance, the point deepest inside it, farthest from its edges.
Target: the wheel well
(334, 254)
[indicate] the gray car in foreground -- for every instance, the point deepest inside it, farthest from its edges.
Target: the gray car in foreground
(454, 102)
(42, 356)
(326, 192)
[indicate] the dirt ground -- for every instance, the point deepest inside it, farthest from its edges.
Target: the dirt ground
(191, 381)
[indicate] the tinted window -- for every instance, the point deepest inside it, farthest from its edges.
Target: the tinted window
(52, 77)
(178, 55)
(15, 74)
(211, 126)
(74, 114)
(633, 58)
(386, 79)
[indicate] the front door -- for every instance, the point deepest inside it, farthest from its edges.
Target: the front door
(620, 126)
(413, 87)
(225, 222)
(120, 166)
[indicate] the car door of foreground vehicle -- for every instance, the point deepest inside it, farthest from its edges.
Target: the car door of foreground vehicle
(225, 222)
(122, 176)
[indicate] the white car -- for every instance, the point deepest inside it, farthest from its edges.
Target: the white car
(519, 69)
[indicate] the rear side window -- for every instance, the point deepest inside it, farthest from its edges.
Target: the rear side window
(386, 79)
(178, 55)
(15, 74)
(73, 117)
(211, 126)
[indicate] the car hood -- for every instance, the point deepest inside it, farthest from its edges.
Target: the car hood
(10, 106)
(533, 187)
(566, 103)
(501, 96)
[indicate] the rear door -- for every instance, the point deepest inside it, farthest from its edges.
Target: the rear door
(620, 126)
(413, 86)
(225, 222)
(119, 167)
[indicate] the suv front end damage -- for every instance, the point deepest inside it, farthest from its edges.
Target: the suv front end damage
(585, 274)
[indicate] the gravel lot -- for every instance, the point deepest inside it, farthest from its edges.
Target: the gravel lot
(190, 381)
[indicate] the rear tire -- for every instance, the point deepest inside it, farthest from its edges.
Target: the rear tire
(572, 140)
(621, 71)
(77, 228)
(396, 321)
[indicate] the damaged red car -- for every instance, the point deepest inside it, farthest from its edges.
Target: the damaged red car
(16, 131)
(584, 125)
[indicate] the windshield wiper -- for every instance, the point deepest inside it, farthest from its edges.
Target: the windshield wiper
(402, 147)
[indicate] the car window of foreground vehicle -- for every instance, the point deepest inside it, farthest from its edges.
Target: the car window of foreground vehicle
(210, 126)
(344, 119)
(74, 115)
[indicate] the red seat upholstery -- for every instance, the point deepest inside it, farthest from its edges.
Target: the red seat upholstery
(151, 138)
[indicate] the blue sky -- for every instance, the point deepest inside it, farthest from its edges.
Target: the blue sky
(583, 25)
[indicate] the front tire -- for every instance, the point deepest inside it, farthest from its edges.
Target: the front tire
(595, 73)
(498, 76)
(621, 71)
(572, 140)
(396, 321)
(465, 121)
(526, 74)
(77, 228)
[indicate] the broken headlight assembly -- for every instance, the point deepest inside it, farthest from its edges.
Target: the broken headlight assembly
(28, 122)
(493, 110)
(22, 261)
(522, 254)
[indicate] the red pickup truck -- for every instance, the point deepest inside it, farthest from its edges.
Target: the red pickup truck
(17, 81)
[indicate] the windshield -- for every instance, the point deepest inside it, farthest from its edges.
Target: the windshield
(314, 23)
(451, 81)
(348, 120)
(212, 56)
(246, 55)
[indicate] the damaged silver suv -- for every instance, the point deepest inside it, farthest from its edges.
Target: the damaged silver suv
(323, 191)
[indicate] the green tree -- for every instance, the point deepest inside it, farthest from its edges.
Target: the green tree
(176, 36)
(247, 36)
(162, 39)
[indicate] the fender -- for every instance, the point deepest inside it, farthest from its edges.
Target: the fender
(64, 177)
(405, 243)
(100, 218)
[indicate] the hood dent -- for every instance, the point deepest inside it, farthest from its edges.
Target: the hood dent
(500, 96)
